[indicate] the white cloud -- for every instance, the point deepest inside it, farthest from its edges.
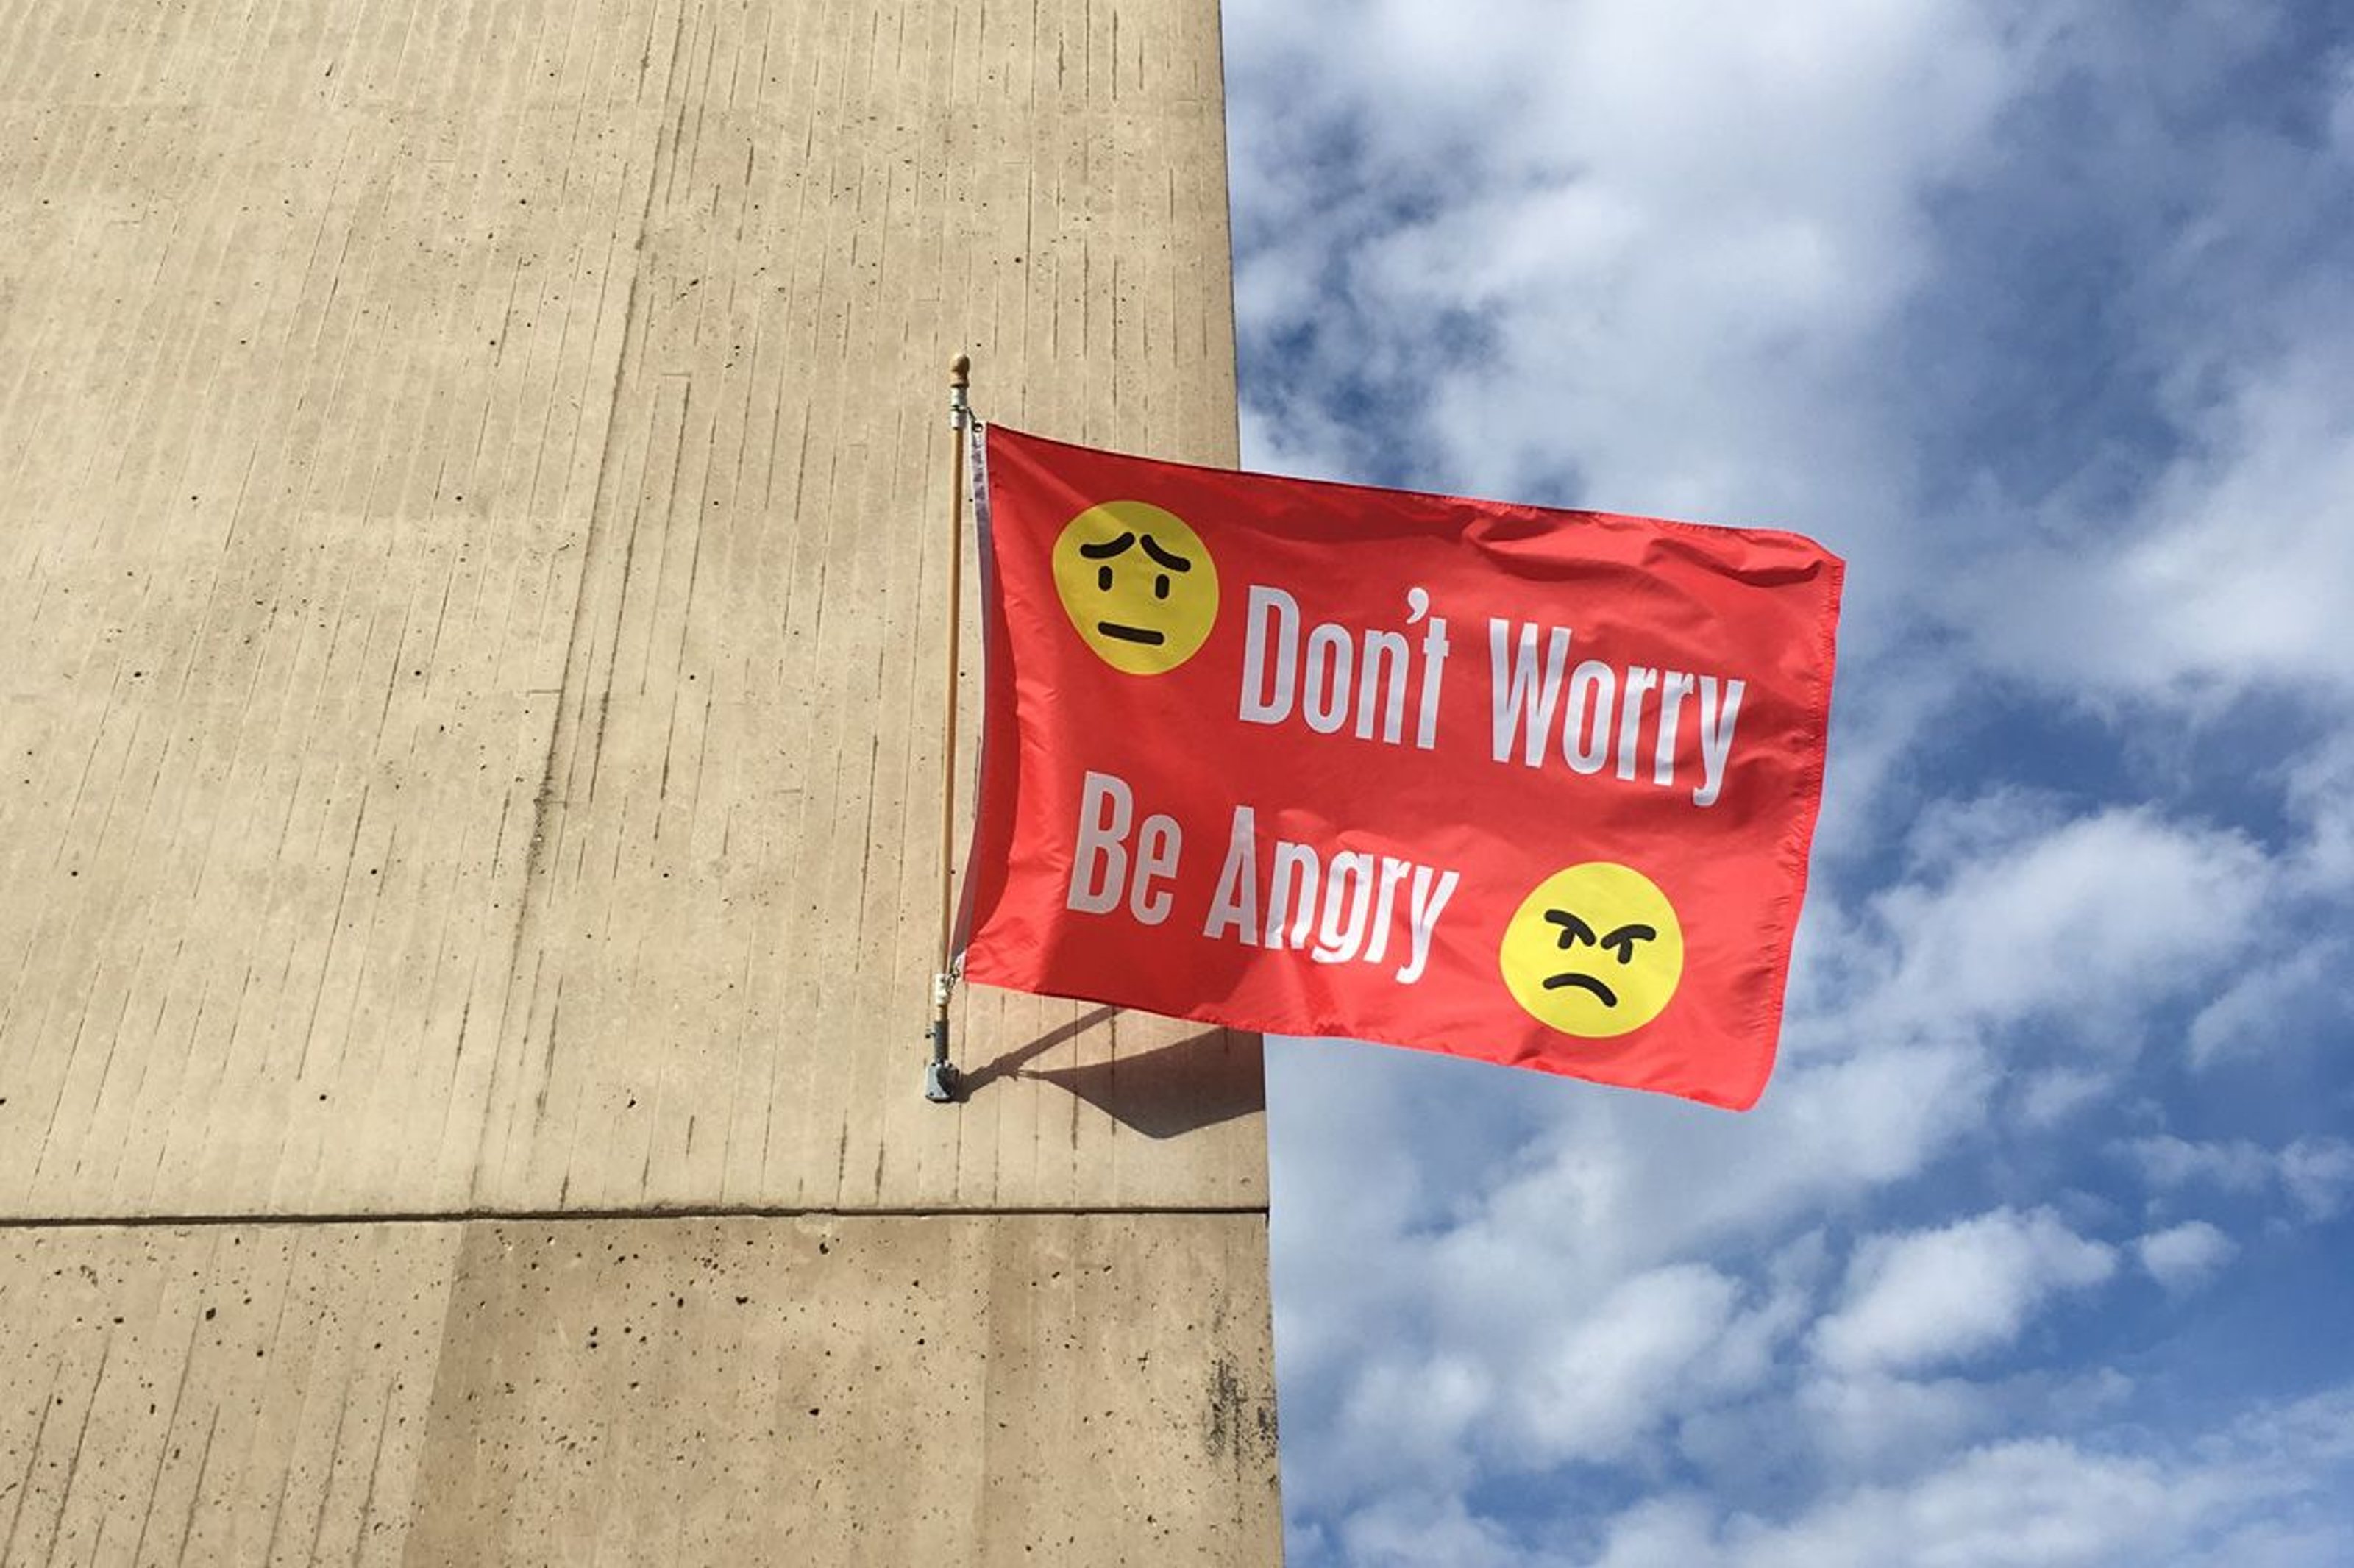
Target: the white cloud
(2250, 570)
(2039, 1502)
(2103, 919)
(2320, 786)
(1649, 250)
(2261, 1492)
(2316, 1174)
(2183, 1258)
(2053, 1094)
(1870, 1425)
(2167, 1162)
(1873, 1427)
(1610, 1375)
(2216, 562)
(1413, 1528)
(1922, 1298)
(1360, 1169)
(2273, 1007)
(1677, 1532)
(2319, 1175)
(1620, 1185)
(1407, 1418)
(2241, 570)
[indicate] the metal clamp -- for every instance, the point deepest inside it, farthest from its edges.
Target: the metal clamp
(941, 1079)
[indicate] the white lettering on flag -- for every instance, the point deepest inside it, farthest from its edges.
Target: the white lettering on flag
(1099, 863)
(1428, 905)
(1528, 700)
(1234, 906)
(1715, 737)
(1266, 701)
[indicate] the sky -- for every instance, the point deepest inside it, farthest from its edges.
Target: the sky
(2040, 1248)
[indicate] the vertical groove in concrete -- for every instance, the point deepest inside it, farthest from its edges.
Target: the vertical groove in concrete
(231, 1395)
(471, 525)
(316, 375)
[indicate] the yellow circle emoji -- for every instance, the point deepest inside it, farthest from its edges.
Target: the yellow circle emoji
(1595, 951)
(1138, 583)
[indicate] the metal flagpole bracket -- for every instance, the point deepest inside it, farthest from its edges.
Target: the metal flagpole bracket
(941, 1076)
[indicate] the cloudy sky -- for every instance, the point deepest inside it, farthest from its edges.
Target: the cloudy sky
(2039, 1249)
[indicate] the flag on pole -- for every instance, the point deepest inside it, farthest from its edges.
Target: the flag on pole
(1531, 786)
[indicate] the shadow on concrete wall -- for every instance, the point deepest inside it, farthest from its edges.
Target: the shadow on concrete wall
(1165, 1092)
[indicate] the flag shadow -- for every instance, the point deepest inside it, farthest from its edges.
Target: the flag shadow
(1166, 1092)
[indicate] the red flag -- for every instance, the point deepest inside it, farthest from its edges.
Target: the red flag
(1531, 786)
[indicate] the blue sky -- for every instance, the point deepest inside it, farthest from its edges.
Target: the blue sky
(2039, 1249)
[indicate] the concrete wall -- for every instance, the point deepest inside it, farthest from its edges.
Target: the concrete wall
(473, 492)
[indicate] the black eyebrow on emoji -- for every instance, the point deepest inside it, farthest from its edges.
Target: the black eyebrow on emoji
(1110, 547)
(1624, 938)
(1573, 929)
(1175, 562)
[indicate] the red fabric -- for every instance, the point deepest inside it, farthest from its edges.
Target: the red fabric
(1154, 917)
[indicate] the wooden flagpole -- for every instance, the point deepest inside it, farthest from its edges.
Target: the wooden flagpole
(940, 1074)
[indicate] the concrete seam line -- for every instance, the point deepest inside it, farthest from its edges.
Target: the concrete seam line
(602, 1216)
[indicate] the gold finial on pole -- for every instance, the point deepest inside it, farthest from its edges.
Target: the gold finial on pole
(940, 1074)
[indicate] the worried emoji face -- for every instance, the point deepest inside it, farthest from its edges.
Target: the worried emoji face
(1138, 583)
(1595, 951)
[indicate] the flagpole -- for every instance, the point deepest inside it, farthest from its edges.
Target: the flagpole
(940, 1074)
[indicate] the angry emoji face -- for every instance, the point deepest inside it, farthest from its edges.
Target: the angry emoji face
(1595, 951)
